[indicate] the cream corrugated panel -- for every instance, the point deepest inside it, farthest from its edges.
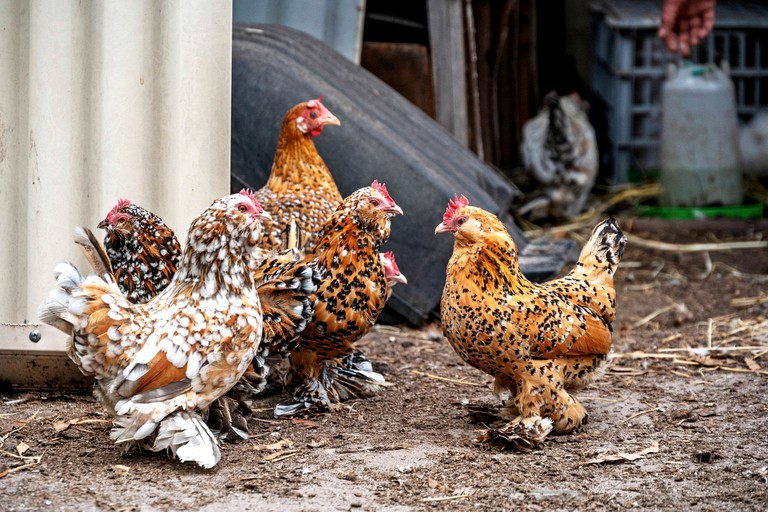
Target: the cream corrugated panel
(101, 100)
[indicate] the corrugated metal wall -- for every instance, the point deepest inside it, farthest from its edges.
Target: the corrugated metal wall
(101, 100)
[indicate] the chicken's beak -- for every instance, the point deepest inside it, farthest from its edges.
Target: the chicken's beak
(442, 228)
(331, 119)
(400, 278)
(394, 209)
(103, 224)
(263, 216)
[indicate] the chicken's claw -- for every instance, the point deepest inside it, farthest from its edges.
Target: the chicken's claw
(522, 434)
(311, 398)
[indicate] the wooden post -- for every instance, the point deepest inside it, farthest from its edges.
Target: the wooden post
(446, 40)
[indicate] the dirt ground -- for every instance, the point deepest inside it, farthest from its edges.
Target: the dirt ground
(677, 423)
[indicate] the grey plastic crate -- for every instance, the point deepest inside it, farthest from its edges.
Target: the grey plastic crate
(629, 63)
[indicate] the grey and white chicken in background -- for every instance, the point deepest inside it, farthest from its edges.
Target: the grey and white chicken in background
(753, 142)
(559, 152)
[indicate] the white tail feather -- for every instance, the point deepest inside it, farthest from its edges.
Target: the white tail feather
(67, 276)
(188, 438)
(56, 309)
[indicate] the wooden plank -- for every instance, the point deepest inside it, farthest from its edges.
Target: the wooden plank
(475, 126)
(446, 40)
(405, 67)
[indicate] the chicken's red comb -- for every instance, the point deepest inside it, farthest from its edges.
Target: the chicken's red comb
(121, 203)
(390, 257)
(454, 204)
(315, 103)
(381, 188)
(247, 193)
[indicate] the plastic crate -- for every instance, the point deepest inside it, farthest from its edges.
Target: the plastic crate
(629, 64)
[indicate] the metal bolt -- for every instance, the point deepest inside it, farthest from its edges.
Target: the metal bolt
(35, 336)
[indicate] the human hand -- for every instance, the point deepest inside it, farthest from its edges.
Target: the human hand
(684, 23)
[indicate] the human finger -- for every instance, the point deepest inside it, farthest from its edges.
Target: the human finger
(671, 41)
(684, 42)
(707, 22)
(669, 12)
(695, 31)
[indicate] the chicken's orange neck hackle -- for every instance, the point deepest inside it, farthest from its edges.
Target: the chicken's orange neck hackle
(300, 125)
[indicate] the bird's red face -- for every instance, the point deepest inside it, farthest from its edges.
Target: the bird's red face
(454, 215)
(391, 270)
(314, 117)
(248, 205)
(117, 216)
(380, 198)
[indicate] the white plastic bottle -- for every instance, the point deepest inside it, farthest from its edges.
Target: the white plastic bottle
(700, 162)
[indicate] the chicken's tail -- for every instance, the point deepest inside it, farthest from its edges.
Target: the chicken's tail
(57, 308)
(293, 237)
(83, 307)
(603, 250)
(188, 438)
(63, 305)
(93, 251)
(285, 291)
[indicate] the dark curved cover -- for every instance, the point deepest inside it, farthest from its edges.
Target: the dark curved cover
(382, 136)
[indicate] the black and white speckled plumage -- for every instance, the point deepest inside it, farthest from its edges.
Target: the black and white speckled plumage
(143, 251)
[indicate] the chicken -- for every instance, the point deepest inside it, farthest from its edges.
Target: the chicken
(350, 296)
(158, 365)
(300, 185)
(536, 340)
(753, 145)
(392, 271)
(142, 247)
(144, 253)
(285, 286)
(353, 376)
(559, 150)
(301, 188)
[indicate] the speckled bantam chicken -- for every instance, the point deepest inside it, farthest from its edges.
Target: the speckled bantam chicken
(559, 150)
(157, 365)
(353, 376)
(300, 185)
(536, 340)
(145, 250)
(144, 253)
(301, 188)
(350, 297)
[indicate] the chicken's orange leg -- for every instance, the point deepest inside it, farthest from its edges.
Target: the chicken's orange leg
(539, 391)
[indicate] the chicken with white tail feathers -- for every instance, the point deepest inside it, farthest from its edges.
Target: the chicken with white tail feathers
(160, 364)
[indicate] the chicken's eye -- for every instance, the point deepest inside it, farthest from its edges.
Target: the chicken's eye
(242, 208)
(375, 202)
(460, 220)
(313, 115)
